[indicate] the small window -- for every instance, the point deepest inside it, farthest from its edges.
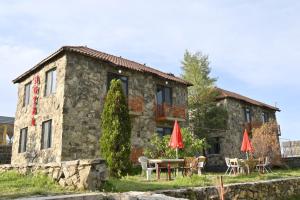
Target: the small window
(26, 99)
(248, 115)
(123, 79)
(215, 146)
(163, 95)
(162, 131)
(50, 85)
(265, 117)
(23, 140)
(46, 134)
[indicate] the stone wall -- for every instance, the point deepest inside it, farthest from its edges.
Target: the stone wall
(290, 148)
(215, 163)
(75, 109)
(231, 139)
(76, 174)
(48, 107)
(85, 90)
(292, 162)
(279, 189)
(262, 190)
(5, 154)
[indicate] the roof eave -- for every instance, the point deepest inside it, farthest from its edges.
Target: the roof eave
(263, 106)
(38, 66)
(47, 59)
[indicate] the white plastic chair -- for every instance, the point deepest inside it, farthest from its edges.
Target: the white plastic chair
(201, 164)
(144, 163)
(265, 165)
(229, 169)
(235, 166)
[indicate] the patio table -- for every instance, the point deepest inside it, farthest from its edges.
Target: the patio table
(160, 162)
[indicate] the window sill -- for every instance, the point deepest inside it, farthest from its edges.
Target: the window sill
(50, 95)
(46, 149)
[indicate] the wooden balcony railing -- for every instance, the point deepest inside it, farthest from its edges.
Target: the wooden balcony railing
(136, 105)
(256, 124)
(251, 125)
(170, 112)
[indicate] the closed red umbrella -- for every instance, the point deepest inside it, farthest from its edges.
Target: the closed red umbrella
(176, 141)
(246, 143)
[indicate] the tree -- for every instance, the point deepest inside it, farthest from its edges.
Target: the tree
(116, 131)
(266, 143)
(159, 147)
(205, 115)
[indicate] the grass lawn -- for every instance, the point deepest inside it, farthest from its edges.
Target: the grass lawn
(13, 185)
(139, 183)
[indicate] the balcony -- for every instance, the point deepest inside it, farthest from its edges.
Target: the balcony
(136, 105)
(256, 124)
(251, 125)
(166, 112)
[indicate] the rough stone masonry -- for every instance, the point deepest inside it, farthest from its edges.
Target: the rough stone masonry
(76, 105)
(77, 174)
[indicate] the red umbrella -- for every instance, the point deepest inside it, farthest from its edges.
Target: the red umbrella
(176, 138)
(246, 144)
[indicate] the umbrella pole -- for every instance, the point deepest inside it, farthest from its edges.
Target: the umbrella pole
(177, 172)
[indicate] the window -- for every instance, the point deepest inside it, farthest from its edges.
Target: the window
(46, 134)
(50, 85)
(248, 115)
(23, 140)
(26, 94)
(162, 131)
(264, 117)
(215, 146)
(163, 95)
(124, 81)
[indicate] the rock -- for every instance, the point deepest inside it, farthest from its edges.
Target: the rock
(62, 182)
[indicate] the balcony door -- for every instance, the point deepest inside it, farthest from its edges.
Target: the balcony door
(163, 95)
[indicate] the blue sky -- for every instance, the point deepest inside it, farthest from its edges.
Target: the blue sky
(253, 45)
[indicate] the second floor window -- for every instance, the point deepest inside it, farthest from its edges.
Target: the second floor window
(248, 115)
(50, 86)
(163, 95)
(23, 140)
(264, 117)
(26, 99)
(46, 134)
(123, 79)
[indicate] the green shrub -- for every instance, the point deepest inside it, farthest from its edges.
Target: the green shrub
(159, 146)
(116, 131)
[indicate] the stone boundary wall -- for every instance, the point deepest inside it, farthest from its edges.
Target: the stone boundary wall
(80, 174)
(262, 190)
(268, 190)
(292, 162)
(5, 154)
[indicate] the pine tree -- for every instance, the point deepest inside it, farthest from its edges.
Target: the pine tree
(205, 115)
(116, 131)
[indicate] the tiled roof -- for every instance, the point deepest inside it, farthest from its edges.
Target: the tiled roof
(115, 60)
(6, 120)
(227, 94)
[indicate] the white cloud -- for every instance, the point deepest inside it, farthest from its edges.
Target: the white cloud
(256, 43)
(14, 60)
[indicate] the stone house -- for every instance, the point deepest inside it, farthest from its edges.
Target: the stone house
(6, 130)
(243, 113)
(6, 138)
(60, 101)
(290, 148)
